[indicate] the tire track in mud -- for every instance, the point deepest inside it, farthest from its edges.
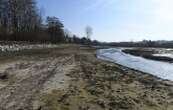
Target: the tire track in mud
(20, 95)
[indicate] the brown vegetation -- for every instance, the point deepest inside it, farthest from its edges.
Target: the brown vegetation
(147, 53)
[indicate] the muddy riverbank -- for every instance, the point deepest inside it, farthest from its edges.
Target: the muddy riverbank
(148, 54)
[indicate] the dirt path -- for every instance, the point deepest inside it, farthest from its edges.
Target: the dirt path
(25, 79)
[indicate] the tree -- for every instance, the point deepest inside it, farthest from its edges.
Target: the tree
(55, 29)
(68, 36)
(21, 20)
(89, 32)
(24, 17)
(4, 17)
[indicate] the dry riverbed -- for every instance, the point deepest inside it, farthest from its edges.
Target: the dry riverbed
(70, 77)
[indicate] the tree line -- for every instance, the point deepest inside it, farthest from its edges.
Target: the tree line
(144, 43)
(21, 20)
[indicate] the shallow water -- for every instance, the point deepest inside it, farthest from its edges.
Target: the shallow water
(160, 69)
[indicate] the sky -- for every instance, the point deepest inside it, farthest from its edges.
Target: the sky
(114, 20)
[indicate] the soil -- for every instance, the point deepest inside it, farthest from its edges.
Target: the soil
(72, 78)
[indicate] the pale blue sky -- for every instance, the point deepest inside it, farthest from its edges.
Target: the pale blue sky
(115, 20)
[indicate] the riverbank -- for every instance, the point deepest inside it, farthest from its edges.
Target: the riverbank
(148, 54)
(70, 77)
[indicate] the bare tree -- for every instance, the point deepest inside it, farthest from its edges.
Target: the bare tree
(67, 33)
(68, 36)
(24, 18)
(89, 32)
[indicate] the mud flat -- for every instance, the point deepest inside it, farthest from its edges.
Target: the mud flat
(70, 77)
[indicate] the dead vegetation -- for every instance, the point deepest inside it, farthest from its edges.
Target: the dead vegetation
(147, 53)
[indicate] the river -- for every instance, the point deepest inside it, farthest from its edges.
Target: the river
(160, 69)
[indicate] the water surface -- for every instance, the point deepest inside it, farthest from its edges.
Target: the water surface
(160, 69)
